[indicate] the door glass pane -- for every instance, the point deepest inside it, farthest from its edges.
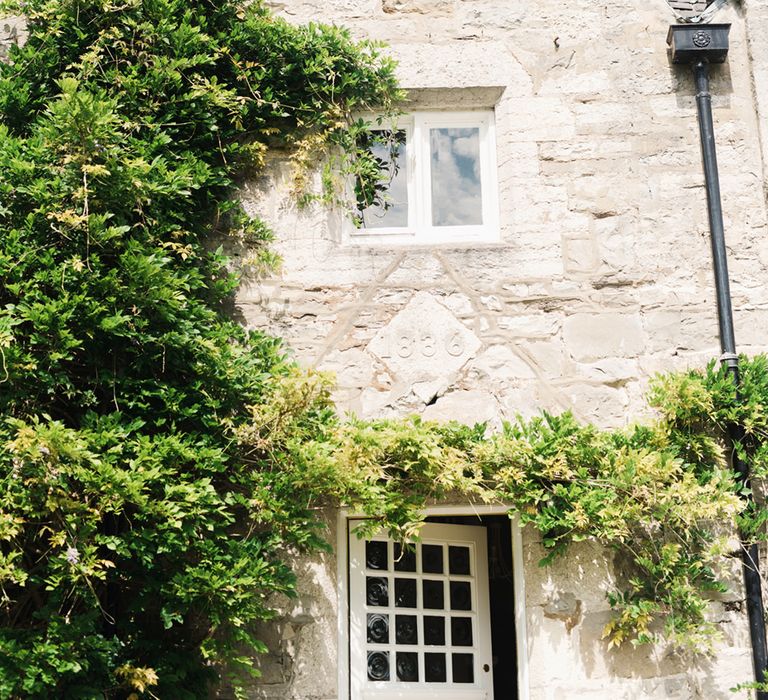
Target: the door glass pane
(378, 665)
(461, 596)
(434, 668)
(434, 630)
(461, 631)
(463, 671)
(377, 591)
(405, 593)
(405, 629)
(376, 555)
(432, 558)
(384, 203)
(458, 560)
(455, 173)
(433, 595)
(407, 666)
(378, 629)
(405, 558)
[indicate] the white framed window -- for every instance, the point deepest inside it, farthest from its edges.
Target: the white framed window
(442, 180)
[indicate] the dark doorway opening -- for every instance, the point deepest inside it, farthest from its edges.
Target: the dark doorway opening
(502, 598)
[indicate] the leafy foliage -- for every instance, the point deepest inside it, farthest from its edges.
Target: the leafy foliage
(661, 494)
(134, 546)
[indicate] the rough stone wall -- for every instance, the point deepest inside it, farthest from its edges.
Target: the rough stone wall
(13, 31)
(602, 277)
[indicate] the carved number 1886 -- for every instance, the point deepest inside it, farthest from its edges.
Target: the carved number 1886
(409, 343)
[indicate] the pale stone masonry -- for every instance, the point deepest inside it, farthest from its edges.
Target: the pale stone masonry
(601, 278)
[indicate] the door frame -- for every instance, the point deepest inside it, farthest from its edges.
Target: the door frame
(342, 581)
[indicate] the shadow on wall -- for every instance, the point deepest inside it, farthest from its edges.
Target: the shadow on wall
(568, 610)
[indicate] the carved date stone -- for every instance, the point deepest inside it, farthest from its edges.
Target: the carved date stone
(424, 345)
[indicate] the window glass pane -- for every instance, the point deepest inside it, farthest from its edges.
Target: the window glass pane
(455, 172)
(385, 204)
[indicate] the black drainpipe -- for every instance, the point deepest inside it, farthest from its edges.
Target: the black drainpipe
(700, 46)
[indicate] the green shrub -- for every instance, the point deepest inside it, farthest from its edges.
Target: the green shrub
(134, 552)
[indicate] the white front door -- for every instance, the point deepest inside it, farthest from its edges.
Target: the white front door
(420, 618)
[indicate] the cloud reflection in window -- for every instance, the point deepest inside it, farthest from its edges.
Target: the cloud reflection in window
(455, 170)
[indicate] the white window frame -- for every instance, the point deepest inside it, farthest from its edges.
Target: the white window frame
(420, 230)
(342, 579)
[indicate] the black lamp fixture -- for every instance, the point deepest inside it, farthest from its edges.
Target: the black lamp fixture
(699, 46)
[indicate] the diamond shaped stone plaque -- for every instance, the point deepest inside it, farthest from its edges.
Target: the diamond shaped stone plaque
(424, 343)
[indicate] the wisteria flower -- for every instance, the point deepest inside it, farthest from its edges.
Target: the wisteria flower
(72, 555)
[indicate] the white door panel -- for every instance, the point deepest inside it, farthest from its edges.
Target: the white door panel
(420, 619)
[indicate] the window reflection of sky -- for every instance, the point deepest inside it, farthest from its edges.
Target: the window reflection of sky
(394, 213)
(455, 167)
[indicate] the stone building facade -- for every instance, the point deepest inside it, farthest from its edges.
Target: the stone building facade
(598, 277)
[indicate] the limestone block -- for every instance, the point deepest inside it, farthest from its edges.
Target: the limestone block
(614, 371)
(586, 81)
(479, 16)
(499, 364)
(540, 119)
(599, 195)
(327, 11)
(579, 255)
(352, 367)
(581, 149)
(458, 303)
(601, 404)
(751, 327)
(548, 356)
(466, 64)
(416, 269)
(515, 159)
(468, 407)
(534, 202)
(422, 7)
(529, 398)
(565, 607)
(549, 639)
(586, 570)
(592, 336)
(13, 32)
(539, 325)
(734, 664)
(672, 330)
